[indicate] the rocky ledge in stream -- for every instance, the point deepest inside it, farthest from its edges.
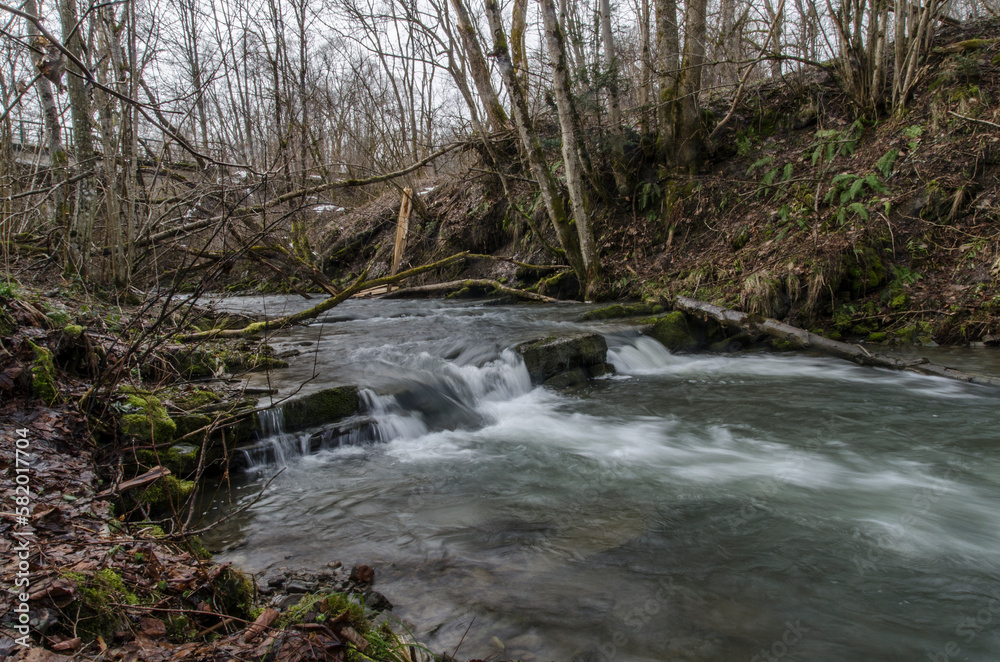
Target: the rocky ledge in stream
(559, 362)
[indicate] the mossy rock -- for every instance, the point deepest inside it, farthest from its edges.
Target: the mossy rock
(619, 310)
(181, 459)
(163, 494)
(918, 333)
(311, 606)
(548, 357)
(196, 399)
(95, 612)
(149, 421)
(188, 423)
(319, 408)
(673, 332)
(563, 285)
(191, 363)
(239, 362)
(43, 375)
(877, 336)
(234, 593)
(73, 330)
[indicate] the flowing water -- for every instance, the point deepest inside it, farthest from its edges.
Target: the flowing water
(745, 507)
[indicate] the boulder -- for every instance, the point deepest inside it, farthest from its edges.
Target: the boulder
(673, 332)
(322, 407)
(620, 310)
(549, 359)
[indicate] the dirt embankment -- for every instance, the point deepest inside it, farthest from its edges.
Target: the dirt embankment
(883, 230)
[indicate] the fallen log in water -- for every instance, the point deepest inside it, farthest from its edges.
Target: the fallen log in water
(482, 283)
(803, 339)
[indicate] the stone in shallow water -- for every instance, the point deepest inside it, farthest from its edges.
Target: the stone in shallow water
(300, 586)
(324, 406)
(549, 357)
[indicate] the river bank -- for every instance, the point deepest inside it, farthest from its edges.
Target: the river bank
(111, 433)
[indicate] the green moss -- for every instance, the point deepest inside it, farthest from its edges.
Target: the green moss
(43, 375)
(877, 336)
(193, 363)
(188, 423)
(197, 547)
(330, 605)
(7, 325)
(236, 361)
(864, 270)
(95, 613)
(899, 301)
(919, 332)
(181, 459)
(622, 310)
(740, 239)
(672, 331)
(166, 491)
(73, 330)
(234, 593)
(152, 529)
(149, 421)
(196, 399)
(59, 317)
(324, 406)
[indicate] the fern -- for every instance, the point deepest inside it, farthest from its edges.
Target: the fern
(852, 192)
(760, 163)
(875, 185)
(858, 209)
(886, 162)
(787, 174)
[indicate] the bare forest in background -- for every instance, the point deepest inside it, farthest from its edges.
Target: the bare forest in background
(128, 125)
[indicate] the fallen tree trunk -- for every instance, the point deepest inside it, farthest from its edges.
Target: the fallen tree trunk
(470, 282)
(361, 283)
(803, 339)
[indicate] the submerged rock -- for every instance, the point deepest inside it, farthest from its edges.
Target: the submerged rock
(561, 362)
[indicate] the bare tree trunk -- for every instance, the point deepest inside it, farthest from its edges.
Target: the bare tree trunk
(478, 68)
(729, 70)
(667, 65)
(113, 231)
(79, 217)
(50, 117)
(570, 146)
(522, 119)
(776, 17)
(645, 70)
(614, 105)
(688, 131)
(519, 51)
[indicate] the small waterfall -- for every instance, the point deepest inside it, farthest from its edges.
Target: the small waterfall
(427, 393)
(272, 421)
(638, 355)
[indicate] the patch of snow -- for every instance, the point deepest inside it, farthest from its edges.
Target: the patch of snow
(324, 208)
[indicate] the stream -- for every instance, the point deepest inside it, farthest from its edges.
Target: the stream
(755, 506)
